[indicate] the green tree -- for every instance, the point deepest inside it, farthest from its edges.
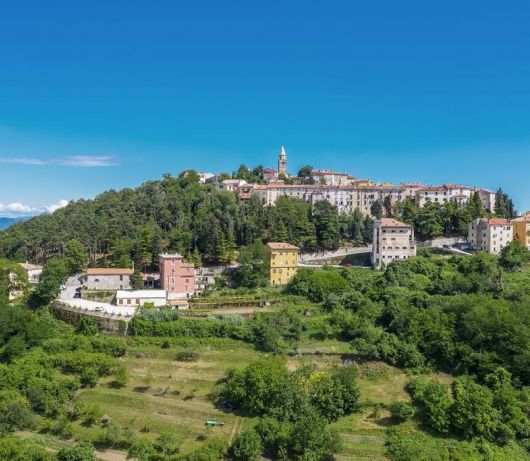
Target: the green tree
(14, 411)
(247, 446)
(75, 257)
(326, 225)
(474, 207)
(54, 274)
(13, 280)
(388, 207)
(429, 221)
(376, 210)
(311, 438)
(87, 326)
(504, 205)
(473, 414)
(305, 171)
(137, 281)
(435, 401)
(514, 256)
(142, 449)
(81, 452)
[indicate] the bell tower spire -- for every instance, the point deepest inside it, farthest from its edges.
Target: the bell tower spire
(282, 162)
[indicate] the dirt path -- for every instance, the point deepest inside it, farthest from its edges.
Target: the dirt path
(236, 430)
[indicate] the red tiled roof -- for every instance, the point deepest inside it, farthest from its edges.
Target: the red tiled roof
(498, 221)
(281, 246)
(391, 222)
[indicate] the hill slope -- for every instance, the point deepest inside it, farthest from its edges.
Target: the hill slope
(172, 214)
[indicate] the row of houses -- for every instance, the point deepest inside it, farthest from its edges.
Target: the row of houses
(359, 195)
(493, 234)
(177, 281)
(394, 240)
(344, 191)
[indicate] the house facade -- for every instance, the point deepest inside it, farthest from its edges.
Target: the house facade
(138, 298)
(283, 262)
(34, 271)
(521, 229)
(392, 241)
(331, 178)
(443, 194)
(177, 277)
(108, 278)
(490, 235)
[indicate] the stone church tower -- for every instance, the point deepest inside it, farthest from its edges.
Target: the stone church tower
(282, 162)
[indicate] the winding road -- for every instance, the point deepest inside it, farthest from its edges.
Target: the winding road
(67, 298)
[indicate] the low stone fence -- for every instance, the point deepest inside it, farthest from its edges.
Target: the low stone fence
(109, 323)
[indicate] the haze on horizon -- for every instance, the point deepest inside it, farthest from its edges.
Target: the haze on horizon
(105, 95)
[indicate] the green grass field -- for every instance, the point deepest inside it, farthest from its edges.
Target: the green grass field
(163, 395)
(177, 399)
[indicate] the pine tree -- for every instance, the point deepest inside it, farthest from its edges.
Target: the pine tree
(377, 209)
(387, 205)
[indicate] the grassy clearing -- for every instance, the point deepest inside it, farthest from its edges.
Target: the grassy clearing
(164, 395)
(176, 400)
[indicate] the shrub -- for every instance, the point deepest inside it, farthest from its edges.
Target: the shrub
(247, 446)
(401, 411)
(89, 377)
(81, 452)
(187, 354)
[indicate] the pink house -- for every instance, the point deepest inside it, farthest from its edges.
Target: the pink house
(176, 276)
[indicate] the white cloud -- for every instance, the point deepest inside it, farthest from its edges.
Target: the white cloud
(84, 161)
(55, 206)
(17, 209)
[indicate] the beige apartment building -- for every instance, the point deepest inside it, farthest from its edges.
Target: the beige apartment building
(443, 194)
(393, 241)
(490, 235)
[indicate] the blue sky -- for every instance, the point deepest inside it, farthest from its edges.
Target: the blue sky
(106, 94)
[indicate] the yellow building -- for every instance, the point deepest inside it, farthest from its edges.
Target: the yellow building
(521, 229)
(283, 265)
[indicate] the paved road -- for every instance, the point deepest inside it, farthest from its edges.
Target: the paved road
(67, 297)
(332, 254)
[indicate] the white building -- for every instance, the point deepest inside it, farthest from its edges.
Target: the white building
(443, 194)
(331, 178)
(487, 197)
(393, 240)
(490, 235)
(204, 177)
(231, 185)
(136, 298)
(108, 278)
(34, 271)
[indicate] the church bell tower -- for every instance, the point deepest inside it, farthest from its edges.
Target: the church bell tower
(282, 162)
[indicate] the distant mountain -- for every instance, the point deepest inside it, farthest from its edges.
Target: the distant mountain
(7, 222)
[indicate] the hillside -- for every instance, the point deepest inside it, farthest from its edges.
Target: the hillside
(177, 214)
(427, 360)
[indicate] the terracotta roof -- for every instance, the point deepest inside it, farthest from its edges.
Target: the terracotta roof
(498, 221)
(281, 246)
(442, 187)
(391, 222)
(109, 271)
